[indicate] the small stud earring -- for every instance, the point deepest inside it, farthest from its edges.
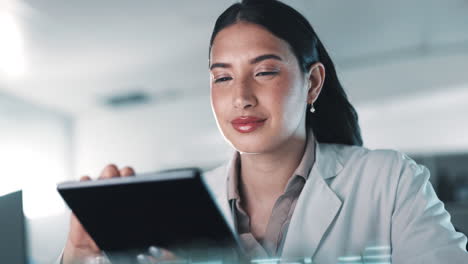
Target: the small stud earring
(312, 108)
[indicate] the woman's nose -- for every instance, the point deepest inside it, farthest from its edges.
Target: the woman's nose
(244, 97)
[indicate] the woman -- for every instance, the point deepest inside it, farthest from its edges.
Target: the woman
(300, 184)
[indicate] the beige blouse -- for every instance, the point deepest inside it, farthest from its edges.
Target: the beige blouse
(272, 243)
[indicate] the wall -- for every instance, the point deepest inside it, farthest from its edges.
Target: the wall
(35, 154)
(150, 137)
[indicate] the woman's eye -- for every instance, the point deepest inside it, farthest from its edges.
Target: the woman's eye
(222, 79)
(265, 73)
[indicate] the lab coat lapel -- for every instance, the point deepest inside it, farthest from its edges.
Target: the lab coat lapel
(317, 206)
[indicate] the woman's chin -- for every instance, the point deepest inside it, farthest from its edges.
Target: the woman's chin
(250, 146)
(255, 142)
(249, 151)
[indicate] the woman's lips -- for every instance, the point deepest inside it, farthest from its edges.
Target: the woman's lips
(247, 124)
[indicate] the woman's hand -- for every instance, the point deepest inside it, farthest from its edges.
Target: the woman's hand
(80, 247)
(158, 255)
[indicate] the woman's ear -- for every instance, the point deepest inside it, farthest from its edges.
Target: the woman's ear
(316, 78)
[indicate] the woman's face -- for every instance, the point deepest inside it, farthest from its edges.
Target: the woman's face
(258, 92)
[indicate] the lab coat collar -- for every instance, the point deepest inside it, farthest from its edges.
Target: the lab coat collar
(317, 206)
(328, 160)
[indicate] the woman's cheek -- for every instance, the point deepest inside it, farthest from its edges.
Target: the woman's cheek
(287, 105)
(279, 97)
(219, 104)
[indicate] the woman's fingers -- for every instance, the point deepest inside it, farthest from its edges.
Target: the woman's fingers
(157, 255)
(97, 260)
(127, 171)
(155, 252)
(161, 253)
(143, 259)
(110, 171)
(85, 178)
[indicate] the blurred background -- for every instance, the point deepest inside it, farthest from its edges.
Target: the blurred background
(87, 83)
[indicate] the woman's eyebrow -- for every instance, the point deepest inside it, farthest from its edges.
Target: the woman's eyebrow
(265, 57)
(252, 61)
(220, 65)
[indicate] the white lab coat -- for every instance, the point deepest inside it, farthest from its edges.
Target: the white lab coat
(364, 206)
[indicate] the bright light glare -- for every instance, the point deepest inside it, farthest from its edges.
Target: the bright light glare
(35, 173)
(12, 61)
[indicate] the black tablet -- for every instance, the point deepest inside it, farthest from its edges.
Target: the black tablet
(172, 209)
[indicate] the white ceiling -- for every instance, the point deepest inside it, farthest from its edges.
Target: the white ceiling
(79, 52)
